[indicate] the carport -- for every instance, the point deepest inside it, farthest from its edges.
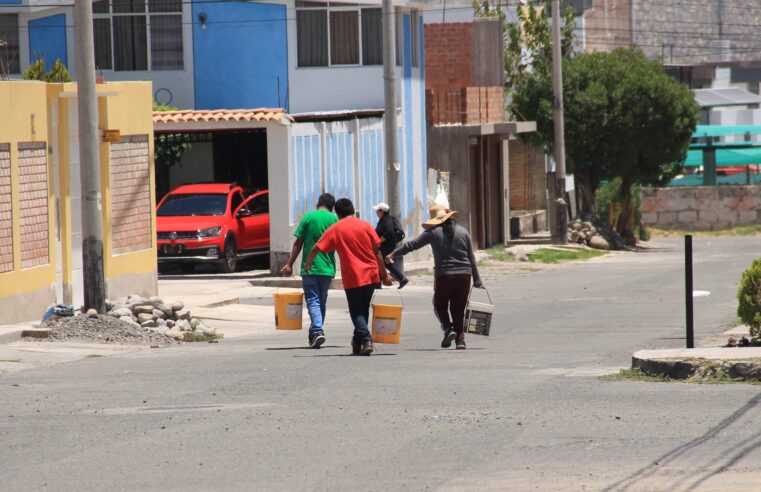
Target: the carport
(223, 146)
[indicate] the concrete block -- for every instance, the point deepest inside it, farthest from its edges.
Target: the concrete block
(667, 218)
(36, 332)
(747, 216)
(650, 218)
(687, 217)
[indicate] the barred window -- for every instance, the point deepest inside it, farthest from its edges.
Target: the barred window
(338, 34)
(9, 45)
(132, 35)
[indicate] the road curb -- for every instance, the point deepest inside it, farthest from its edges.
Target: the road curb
(336, 284)
(14, 333)
(743, 364)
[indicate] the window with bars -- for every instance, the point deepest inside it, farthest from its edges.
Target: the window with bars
(132, 35)
(9, 45)
(338, 34)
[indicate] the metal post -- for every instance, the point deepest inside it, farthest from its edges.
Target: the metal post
(89, 160)
(560, 231)
(391, 150)
(688, 289)
(709, 166)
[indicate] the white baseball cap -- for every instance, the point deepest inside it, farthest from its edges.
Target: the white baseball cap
(382, 206)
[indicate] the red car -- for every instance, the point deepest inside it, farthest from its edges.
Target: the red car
(212, 223)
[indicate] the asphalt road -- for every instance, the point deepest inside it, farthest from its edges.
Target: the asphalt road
(521, 410)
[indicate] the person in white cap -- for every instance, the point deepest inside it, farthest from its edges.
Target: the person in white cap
(390, 231)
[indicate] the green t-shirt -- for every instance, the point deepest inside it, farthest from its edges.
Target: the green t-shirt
(310, 230)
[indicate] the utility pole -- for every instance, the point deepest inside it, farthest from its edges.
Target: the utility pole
(391, 150)
(89, 160)
(560, 231)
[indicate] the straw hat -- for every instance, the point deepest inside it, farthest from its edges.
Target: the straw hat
(439, 214)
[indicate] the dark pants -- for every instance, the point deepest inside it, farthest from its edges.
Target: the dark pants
(359, 309)
(450, 295)
(398, 275)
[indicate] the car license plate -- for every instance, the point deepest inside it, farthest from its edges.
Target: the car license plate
(173, 249)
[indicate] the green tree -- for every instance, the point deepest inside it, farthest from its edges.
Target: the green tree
(624, 117)
(168, 149)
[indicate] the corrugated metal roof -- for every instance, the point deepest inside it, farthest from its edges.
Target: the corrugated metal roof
(220, 115)
(725, 96)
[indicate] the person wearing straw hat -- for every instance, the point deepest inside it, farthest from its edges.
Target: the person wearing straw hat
(390, 232)
(454, 269)
(315, 280)
(362, 268)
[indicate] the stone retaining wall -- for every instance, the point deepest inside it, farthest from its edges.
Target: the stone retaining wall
(701, 207)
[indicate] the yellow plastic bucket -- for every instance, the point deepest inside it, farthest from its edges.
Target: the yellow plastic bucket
(387, 323)
(288, 308)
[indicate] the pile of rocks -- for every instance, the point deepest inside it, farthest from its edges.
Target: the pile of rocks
(168, 318)
(584, 232)
(92, 327)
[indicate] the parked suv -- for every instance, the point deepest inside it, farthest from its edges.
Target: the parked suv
(212, 223)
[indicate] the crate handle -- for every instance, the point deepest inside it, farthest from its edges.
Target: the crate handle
(471, 293)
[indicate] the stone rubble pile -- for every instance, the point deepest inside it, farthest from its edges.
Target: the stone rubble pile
(584, 232)
(168, 318)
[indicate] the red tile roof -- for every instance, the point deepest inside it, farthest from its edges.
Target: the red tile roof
(191, 115)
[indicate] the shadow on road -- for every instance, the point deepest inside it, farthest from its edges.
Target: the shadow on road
(673, 455)
(303, 347)
(375, 354)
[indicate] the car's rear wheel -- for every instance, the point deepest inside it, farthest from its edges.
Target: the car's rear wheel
(230, 259)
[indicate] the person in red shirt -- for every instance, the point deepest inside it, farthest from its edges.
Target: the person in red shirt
(362, 268)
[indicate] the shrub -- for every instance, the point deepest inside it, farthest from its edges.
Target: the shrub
(58, 73)
(749, 298)
(36, 71)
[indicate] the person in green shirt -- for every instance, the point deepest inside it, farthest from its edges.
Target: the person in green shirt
(316, 281)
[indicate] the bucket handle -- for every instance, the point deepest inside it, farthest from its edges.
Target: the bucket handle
(397, 292)
(471, 293)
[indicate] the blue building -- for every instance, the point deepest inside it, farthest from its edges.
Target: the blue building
(320, 62)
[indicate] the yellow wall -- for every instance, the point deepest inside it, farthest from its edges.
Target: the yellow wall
(130, 112)
(25, 116)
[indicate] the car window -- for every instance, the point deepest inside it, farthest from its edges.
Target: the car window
(260, 204)
(193, 204)
(237, 200)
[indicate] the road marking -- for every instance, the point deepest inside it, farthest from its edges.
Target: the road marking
(177, 408)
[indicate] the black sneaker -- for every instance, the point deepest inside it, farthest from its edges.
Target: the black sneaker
(367, 348)
(403, 283)
(316, 340)
(460, 343)
(449, 336)
(356, 346)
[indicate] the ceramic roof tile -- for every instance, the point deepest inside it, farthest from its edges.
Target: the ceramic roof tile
(184, 116)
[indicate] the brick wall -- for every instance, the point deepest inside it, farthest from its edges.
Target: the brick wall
(6, 212)
(447, 56)
(33, 183)
(130, 195)
(528, 179)
(458, 89)
(701, 207)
